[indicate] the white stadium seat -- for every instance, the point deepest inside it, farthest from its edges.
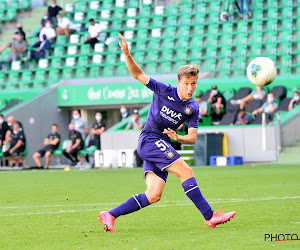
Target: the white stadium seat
(105, 14)
(70, 61)
(43, 63)
(99, 47)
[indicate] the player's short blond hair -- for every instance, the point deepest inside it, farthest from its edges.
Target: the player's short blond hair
(188, 70)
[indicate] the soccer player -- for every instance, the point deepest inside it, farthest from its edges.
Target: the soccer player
(170, 107)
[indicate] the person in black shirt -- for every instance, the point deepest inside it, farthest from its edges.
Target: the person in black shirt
(10, 121)
(53, 10)
(218, 103)
(75, 144)
(97, 129)
(3, 129)
(51, 143)
(17, 144)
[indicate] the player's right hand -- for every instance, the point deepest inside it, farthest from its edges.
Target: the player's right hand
(123, 44)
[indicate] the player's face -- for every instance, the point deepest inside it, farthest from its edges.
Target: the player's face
(186, 87)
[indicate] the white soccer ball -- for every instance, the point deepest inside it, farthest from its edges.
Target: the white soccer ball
(261, 71)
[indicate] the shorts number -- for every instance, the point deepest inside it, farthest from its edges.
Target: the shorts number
(162, 145)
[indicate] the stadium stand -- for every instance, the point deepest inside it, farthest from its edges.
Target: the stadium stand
(163, 38)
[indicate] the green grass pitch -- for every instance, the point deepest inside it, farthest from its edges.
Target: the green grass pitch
(56, 209)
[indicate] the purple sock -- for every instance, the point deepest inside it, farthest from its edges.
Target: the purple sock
(133, 204)
(192, 190)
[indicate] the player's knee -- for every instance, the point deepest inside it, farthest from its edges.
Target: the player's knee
(153, 197)
(48, 154)
(35, 156)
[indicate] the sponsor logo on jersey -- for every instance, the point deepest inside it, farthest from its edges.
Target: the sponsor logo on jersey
(171, 98)
(188, 110)
(170, 114)
(169, 154)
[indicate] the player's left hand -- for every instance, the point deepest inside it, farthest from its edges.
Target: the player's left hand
(171, 133)
(123, 44)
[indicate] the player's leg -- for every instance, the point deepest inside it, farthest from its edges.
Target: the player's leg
(242, 102)
(245, 100)
(190, 186)
(36, 157)
(155, 185)
(47, 158)
(192, 190)
(74, 152)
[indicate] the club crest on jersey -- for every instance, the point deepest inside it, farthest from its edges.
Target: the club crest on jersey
(169, 154)
(188, 110)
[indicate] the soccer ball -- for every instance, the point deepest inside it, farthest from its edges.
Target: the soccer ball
(261, 71)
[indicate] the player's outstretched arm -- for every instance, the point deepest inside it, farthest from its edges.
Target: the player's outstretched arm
(132, 66)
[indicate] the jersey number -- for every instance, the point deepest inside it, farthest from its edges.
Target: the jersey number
(162, 145)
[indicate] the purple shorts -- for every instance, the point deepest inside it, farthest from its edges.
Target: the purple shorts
(157, 153)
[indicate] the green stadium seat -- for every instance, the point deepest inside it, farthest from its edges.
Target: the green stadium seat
(40, 78)
(2, 80)
(85, 49)
(82, 62)
(13, 79)
(53, 76)
(94, 71)
(151, 68)
(56, 63)
(58, 51)
(81, 6)
(108, 71)
(165, 67)
(81, 73)
(26, 79)
(61, 40)
(67, 73)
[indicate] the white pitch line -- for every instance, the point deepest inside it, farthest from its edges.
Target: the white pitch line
(167, 205)
(210, 201)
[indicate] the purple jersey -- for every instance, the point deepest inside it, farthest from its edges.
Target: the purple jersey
(168, 110)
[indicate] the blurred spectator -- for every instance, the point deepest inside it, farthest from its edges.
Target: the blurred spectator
(3, 128)
(46, 17)
(17, 47)
(241, 7)
(80, 124)
(268, 107)
(17, 144)
(10, 121)
(48, 31)
(53, 9)
(20, 31)
(18, 35)
(295, 100)
(218, 104)
(136, 122)
(64, 26)
(94, 33)
(75, 144)
(257, 94)
(124, 114)
(202, 107)
(41, 48)
(243, 118)
(51, 143)
(97, 129)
